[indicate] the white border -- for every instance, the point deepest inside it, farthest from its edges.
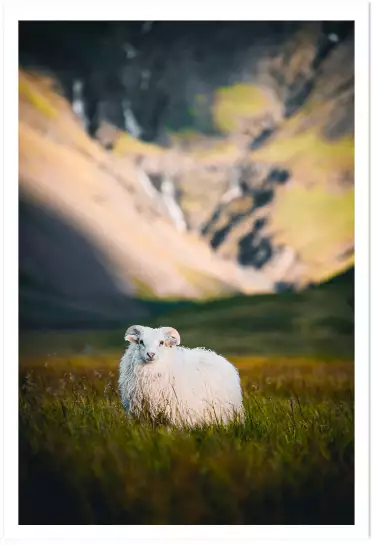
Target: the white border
(191, 10)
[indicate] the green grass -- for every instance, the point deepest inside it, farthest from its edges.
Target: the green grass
(82, 461)
(317, 321)
(290, 462)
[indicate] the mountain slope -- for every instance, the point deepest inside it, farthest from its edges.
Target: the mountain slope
(234, 173)
(67, 179)
(273, 188)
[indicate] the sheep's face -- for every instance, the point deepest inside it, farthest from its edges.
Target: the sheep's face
(152, 343)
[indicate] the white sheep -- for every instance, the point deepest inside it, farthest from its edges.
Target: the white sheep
(186, 386)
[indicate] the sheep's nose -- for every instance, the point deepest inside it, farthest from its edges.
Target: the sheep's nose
(151, 355)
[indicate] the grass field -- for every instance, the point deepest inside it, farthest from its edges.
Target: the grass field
(82, 461)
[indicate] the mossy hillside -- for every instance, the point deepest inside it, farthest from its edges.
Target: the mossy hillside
(240, 101)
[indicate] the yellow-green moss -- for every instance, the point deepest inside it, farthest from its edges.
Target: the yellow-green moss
(143, 290)
(186, 137)
(28, 91)
(240, 101)
(309, 155)
(208, 286)
(222, 152)
(127, 144)
(315, 222)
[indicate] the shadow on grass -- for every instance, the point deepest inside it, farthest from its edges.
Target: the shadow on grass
(316, 322)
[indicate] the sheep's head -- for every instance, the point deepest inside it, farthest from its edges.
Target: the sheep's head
(152, 343)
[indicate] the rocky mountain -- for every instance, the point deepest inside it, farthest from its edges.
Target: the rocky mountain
(93, 232)
(181, 160)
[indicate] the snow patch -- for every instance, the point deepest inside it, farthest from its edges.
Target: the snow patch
(333, 37)
(147, 184)
(175, 211)
(235, 190)
(78, 102)
(131, 124)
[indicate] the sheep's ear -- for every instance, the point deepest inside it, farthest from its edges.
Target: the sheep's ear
(171, 336)
(133, 333)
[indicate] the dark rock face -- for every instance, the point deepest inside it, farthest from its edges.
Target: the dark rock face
(261, 139)
(254, 249)
(251, 252)
(281, 287)
(159, 69)
(279, 176)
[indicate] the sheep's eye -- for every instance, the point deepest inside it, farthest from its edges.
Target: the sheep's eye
(161, 343)
(141, 342)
